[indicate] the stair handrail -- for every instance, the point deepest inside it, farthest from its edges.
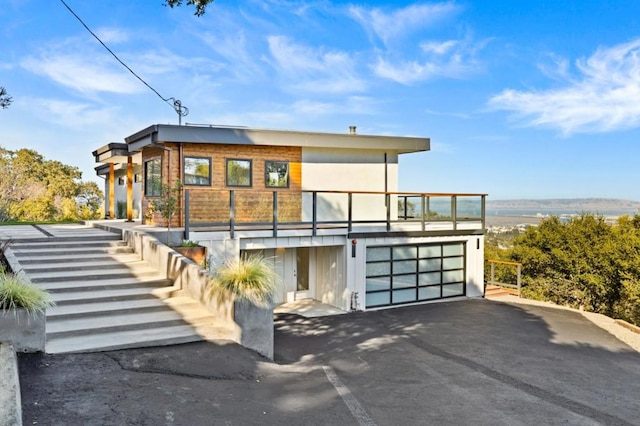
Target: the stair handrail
(518, 265)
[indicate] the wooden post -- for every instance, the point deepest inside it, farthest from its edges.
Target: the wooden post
(129, 189)
(112, 191)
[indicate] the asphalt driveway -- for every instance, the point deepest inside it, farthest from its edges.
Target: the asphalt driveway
(469, 362)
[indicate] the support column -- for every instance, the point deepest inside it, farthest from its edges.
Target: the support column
(129, 189)
(112, 191)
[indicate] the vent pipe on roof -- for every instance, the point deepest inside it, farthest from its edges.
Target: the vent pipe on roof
(352, 130)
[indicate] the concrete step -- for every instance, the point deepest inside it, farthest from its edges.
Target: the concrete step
(78, 310)
(78, 245)
(54, 257)
(74, 265)
(115, 272)
(112, 295)
(132, 321)
(106, 284)
(35, 253)
(69, 238)
(160, 336)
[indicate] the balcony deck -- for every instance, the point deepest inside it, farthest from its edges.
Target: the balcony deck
(354, 214)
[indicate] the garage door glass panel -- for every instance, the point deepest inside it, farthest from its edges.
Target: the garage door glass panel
(430, 251)
(452, 290)
(404, 281)
(404, 296)
(379, 268)
(452, 263)
(404, 252)
(428, 293)
(452, 250)
(376, 284)
(404, 267)
(452, 276)
(429, 278)
(379, 299)
(378, 253)
(430, 265)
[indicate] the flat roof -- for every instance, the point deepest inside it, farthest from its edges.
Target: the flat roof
(215, 134)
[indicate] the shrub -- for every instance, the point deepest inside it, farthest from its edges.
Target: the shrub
(15, 293)
(251, 278)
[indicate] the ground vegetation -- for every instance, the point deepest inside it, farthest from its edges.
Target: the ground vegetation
(585, 263)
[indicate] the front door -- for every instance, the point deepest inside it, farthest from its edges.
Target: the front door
(301, 274)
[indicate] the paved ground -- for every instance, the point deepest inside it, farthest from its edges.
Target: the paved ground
(471, 362)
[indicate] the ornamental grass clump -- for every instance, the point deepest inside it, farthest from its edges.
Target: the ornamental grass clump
(251, 278)
(15, 293)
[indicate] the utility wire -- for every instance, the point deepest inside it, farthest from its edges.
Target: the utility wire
(177, 105)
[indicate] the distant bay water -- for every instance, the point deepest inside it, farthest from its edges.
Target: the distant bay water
(557, 212)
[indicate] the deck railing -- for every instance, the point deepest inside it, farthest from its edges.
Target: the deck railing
(356, 211)
(518, 270)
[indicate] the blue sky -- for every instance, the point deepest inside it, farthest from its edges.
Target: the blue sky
(521, 99)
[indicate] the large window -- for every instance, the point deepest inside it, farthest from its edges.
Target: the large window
(197, 171)
(414, 273)
(238, 172)
(276, 174)
(152, 178)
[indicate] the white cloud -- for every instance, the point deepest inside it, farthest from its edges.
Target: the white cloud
(393, 24)
(459, 63)
(70, 114)
(86, 75)
(603, 97)
(438, 48)
(314, 69)
(112, 35)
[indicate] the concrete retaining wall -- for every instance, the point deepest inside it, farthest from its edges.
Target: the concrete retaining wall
(253, 325)
(10, 402)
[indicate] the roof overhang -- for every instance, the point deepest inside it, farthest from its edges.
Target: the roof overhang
(112, 153)
(166, 133)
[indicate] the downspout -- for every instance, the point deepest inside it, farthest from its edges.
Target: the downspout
(182, 201)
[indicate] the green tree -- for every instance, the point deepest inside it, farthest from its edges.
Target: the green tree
(33, 188)
(200, 5)
(5, 99)
(584, 263)
(168, 204)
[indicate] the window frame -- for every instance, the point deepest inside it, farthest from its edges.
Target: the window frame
(226, 172)
(266, 173)
(147, 190)
(184, 174)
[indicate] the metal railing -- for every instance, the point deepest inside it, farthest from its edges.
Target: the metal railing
(492, 279)
(363, 211)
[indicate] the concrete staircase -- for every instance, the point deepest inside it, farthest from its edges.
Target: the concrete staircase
(107, 298)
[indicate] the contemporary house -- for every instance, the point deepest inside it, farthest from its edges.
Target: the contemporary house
(325, 208)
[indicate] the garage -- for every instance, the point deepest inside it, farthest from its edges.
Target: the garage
(402, 274)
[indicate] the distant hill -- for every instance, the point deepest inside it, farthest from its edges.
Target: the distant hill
(562, 205)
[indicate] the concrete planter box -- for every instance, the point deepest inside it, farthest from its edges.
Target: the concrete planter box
(26, 332)
(256, 327)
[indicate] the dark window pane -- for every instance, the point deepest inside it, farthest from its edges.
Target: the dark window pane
(152, 178)
(238, 172)
(197, 171)
(276, 174)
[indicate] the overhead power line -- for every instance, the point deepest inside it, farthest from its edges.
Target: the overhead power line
(181, 110)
